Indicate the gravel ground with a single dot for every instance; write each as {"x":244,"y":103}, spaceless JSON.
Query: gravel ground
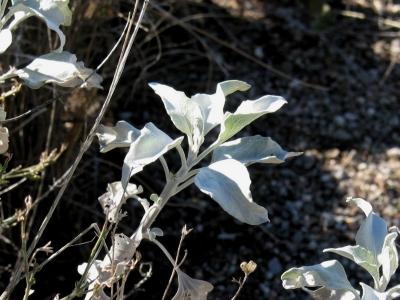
{"x":341,"y":79}
{"x":349,"y":134}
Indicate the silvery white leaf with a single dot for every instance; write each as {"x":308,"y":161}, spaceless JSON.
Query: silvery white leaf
{"x":94,"y":270}
{"x":5,"y":39}
{"x":112,"y":200}
{"x":153,"y":233}
{"x":212,"y":106}
{"x":184,"y":113}
{"x":388,"y":259}
{"x":157,"y":231}
{"x":9,"y":74}
{"x":329,"y":277}
{"x":190,"y":288}
{"x":373,"y":229}
{"x":393,"y":292}
{"x":154,"y":197}
{"x":370,"y":294}
{"x":145,"y":204}
{"x":253,"y":149}
{"x":122,"y":250}
{"x":53,"y":12}
{"x":232,"y":86}
{"x":365,"y":206}
{"x":118,"y":258}
{"x":147,"y":148}
{"x":3,"y":5}
{"x":246,"y":113}
{"x":360,"y":256}
{"x":4,"y":140}
{"x":60,"y":68}
{"x":228,"y":183}
{"x":96,"y":278}
{"x":121,"y":135}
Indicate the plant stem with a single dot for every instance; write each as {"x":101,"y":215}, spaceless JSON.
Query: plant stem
{"x":176,"y":263}
{"x":240,"y":287}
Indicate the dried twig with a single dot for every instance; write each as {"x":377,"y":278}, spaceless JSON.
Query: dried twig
{"x":185,"y":232}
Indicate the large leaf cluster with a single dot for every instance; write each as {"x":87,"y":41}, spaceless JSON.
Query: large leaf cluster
{"x":226,"y":179}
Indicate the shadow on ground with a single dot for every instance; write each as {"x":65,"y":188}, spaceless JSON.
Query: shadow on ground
{"x":347,"y":124}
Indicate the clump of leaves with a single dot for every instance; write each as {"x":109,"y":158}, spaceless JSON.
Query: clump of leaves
{"x":59,"y":66}
{"x":225,"y":179}
{"x":375,"y":251}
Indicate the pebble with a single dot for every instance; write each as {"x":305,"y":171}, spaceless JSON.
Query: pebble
{"x":275,"y":266}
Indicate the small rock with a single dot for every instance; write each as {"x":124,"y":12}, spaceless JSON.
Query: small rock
{"x":275,"y":266}
{"x":340,"y":121}
{"x":393,"y":152}
{"x":332,"y":153}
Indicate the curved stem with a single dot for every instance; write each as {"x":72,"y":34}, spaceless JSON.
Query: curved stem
{"x":166,"y":252}
{"x":240,"y":287}
{"x":182,"y":155}
{"x":165,"y":168}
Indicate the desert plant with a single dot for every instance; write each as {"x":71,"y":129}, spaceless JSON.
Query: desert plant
{"x":375,"y":251}
{"x":226,"y":179}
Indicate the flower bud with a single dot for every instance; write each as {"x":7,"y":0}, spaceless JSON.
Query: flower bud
{"x":248,"y":267}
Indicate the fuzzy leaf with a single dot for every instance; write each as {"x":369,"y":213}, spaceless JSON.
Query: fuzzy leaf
{"x":212,"y":106}
{"x":373,"y":229}
{"x":184,"y":113}
{"x":388,"y":259}
{"x":190,"y":288}
{"x":360,"y":256}
{"x":53,"y":12}
{"x":4,"y":140}
{"x":96,"y":278}
{"x":122,"y":250}
{"x":60,"y":68}
{"x":253,"y":149}
{"x":5,"y":39}
{"x":147,"y":148}
{"x":197,"y":115}
{"x":228,"y":183}
{"x":328,"y":277}
{"x":121,"y":135}
{"x":393,"y":292}
{"x":370,"y":294}
{"x":246,"y":113}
